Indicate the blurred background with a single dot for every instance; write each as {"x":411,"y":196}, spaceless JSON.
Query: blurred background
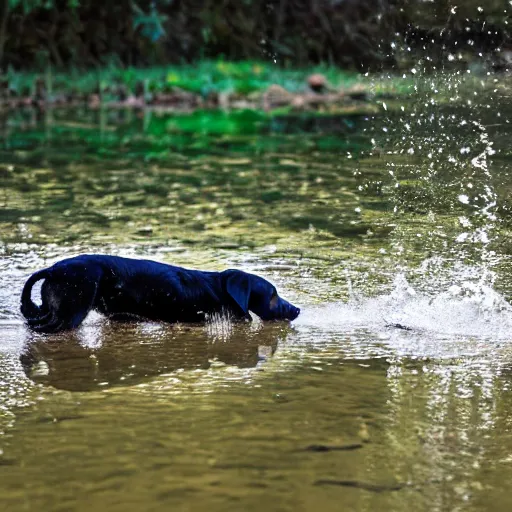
{"x":353,"y":34}
{"x":36,"y":35}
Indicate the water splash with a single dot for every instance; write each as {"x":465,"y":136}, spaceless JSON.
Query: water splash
{"x":467,"y":309}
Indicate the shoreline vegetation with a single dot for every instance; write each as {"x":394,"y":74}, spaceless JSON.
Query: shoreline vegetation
{"x":207,"y":85}
{"x":268,"y":56}
{"x":230,"y":87}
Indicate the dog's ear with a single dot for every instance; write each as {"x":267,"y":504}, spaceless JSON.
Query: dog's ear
{"x":238,"y":285}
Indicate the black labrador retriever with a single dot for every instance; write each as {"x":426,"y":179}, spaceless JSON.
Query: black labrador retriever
{"x":128,"y":289}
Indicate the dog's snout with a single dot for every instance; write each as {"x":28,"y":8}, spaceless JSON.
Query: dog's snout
{"x":294,"y":313}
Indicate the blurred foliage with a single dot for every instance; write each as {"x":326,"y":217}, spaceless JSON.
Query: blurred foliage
{"x":202,"y":78}
{"x":360,"y":34}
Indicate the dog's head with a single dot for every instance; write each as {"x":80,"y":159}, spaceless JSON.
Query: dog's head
{"x":253,"y":293}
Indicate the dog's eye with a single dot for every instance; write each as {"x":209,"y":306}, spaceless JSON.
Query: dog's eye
{"x":273,"y":301}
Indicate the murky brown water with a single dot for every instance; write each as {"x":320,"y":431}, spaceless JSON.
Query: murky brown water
{"x":399,"y":219}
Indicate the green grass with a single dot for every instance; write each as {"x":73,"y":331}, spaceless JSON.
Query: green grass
{"x":201,"y":78}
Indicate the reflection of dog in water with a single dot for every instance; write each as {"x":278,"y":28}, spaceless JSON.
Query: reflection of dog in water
{"x":132,"y":353}
{"x":126,"y":288}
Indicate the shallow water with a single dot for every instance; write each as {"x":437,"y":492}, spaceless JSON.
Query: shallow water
{"x":399,"y":220}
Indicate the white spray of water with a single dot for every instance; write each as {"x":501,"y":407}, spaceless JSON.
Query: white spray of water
{"x":469,"y":309}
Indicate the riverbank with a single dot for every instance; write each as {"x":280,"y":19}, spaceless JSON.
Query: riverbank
{"x":206,"y":85}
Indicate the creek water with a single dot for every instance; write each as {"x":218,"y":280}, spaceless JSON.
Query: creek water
{"x":390,"y":391}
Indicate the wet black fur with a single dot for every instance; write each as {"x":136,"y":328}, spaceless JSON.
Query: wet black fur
{"x":125,"y":288}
